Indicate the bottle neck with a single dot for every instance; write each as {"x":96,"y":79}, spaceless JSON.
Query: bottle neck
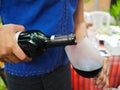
{"x":46,"y":41}
{"x":61,"y":40}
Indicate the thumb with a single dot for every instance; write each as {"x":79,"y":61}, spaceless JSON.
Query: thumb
{"x":16,"y":28}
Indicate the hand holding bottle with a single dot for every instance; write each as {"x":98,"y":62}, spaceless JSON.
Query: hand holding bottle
{"x":9,"y":49}
{"x":35,"y":43}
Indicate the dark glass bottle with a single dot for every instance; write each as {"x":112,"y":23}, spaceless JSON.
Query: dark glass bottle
{"x":34,"y":42}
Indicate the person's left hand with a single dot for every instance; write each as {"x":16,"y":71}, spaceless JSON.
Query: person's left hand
{"x":102,"y":80}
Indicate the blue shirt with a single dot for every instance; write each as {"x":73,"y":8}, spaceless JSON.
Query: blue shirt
{"x":49,"y":16}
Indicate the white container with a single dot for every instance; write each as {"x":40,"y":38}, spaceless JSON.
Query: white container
{"x":84,"y":56}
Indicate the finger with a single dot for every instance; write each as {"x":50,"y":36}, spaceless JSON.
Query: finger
{"x":17,"y":51}
{"x":13,"y":59}
{"x":107,"y":84}
{"x":15,"y":27}
{"x":108,"y":69}
{"x":100,"y":78}
{"x":104,"y":63}
{"x":19,"y":28}
{"x":106,"y":66}
{"x":102,"y":83}
{"x":98,"y":82}
{"x":7,"y":60}
{"x":101,"y":74}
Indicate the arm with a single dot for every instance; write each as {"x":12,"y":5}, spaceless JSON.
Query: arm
{"x":80,"y":26}
{"x":79,"y":15}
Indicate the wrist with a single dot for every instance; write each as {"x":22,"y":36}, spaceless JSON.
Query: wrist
{"x":81,"y":39}
{"x":80,"y":36}
{"x":80,"y":32}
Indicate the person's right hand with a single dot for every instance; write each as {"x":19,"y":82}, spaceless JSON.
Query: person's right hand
{"x":9,"y":49}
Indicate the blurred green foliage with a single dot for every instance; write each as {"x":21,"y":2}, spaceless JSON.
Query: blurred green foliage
{"x":115,"y":11}
{"x":86,"y":1}
{"x":0,"y":23}
{"x":2,"y":84}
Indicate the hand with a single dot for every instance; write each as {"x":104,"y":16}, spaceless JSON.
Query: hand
{"x":102,"y":80}
{"x":81,"y":32}
{"x":9,"y":49}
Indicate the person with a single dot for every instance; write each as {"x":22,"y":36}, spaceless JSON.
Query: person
{"x":51,"y":70}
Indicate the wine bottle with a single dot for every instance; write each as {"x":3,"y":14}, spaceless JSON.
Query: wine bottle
{"x":35,"y":43}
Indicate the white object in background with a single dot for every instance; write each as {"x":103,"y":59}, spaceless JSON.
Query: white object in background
{"x":113,"y":89}
{"x":115,"y":29}
{"x":84,"y":56}
{"x":100,"y":19}
{"x":113,"y":44}
{"x":104,"y":52}
{"x":87,"y":17}
{"x":119,"y":87}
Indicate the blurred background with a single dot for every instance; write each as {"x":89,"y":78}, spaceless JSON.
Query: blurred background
{"x":105,"y":36}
